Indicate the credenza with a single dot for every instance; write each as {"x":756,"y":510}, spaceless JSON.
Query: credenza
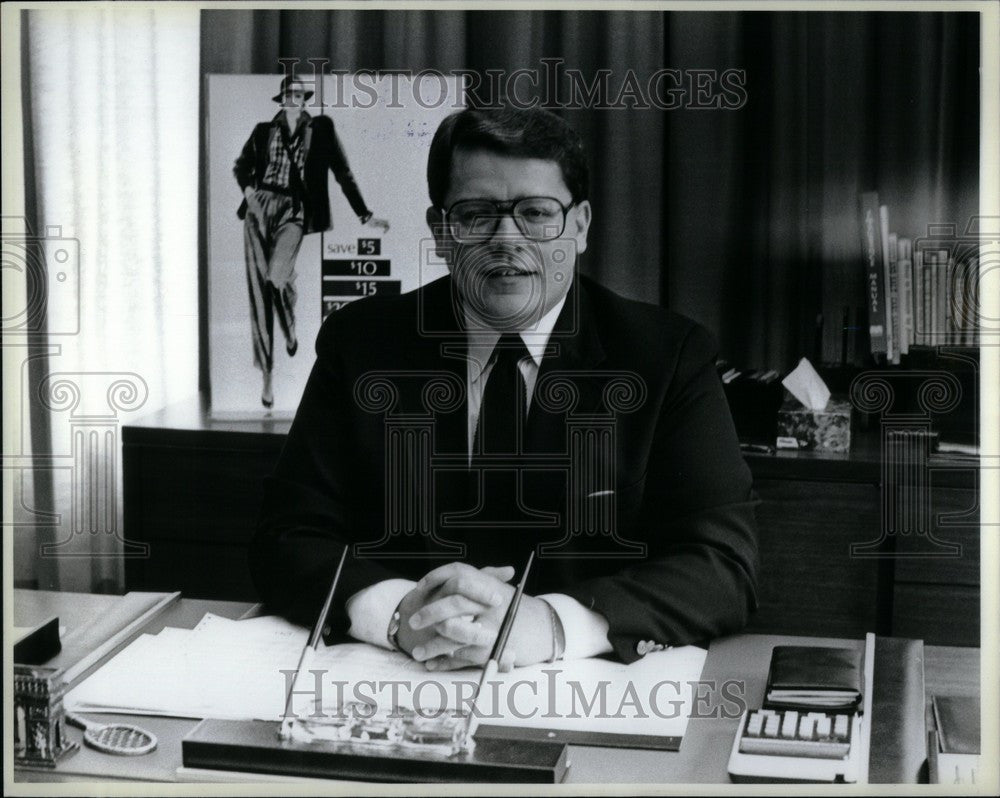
{"x":836,"y":560}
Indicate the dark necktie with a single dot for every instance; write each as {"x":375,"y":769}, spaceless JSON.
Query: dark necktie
{"x":504,"y":402}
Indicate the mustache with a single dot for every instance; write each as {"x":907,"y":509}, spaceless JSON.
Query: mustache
{"x":501,"y":258}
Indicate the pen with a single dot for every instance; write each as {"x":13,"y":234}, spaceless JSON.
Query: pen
{"x":493,"y":663}
{"x":310,"y":648}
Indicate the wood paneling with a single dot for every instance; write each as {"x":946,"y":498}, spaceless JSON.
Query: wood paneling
{"x":941,"y":614}
{"x":809,"y":582}
{"x":953,"y":519}
{"x":190,"y":492}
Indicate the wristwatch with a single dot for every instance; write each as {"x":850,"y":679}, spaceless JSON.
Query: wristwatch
{"x":392,"y":633}
{"x":558,"y":634}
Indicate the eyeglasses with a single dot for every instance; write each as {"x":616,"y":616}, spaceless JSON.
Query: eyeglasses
{"x":476,"y":220}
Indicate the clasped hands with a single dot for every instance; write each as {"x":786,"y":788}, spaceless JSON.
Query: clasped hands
{"x":451,"y":618}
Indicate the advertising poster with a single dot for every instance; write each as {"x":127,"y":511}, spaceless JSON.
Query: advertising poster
{"x":383,"y":124}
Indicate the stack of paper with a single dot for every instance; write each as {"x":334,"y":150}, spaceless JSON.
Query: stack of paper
{"x":220,"y":669}
{"x":242,"y":669}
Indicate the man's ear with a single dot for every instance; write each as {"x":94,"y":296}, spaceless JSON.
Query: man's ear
{"x":579,"y":224}
{"x":443,"y":245}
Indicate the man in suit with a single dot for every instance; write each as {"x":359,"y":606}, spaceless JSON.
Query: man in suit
{"x":282,"y":171}
{"x":513,"y":406}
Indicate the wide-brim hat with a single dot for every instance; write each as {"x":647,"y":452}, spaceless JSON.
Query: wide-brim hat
{"x":285,"y":83}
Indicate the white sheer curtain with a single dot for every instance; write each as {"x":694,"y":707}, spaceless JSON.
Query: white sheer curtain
{"x":113,"y":95}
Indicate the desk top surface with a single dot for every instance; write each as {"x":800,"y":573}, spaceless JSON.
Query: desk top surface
{"x":740,"y":660}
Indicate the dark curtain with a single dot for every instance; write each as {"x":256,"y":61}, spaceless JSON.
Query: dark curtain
{"x":744,"y":219}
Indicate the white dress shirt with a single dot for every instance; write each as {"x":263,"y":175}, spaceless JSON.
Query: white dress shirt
{"x":371,"y":609}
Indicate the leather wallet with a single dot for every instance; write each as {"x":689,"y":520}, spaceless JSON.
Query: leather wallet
{"x":815,"y":677}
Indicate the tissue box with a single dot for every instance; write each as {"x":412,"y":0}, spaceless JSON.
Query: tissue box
{"x":826,"y":430}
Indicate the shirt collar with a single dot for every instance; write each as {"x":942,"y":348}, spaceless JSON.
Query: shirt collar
{"x":482,"y":342}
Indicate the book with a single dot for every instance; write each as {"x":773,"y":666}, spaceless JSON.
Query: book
{"x":904,"y":267}
{"x":894,"y":294}
{"x":919,"y":323}
{"x":815,"y":677}
{"x":970,"y":308}
{"x":958,"y":301}
{"x":930,"y":288}
{"x":949,"y":303}
{"x":973,"y":297}
{"x":875,"y":287}
{"x":933,"y":325}
{"x":890,"y":330}
{"x":941,"y":299}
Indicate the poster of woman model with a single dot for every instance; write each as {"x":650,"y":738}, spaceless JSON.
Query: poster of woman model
{"x":317,"y":194}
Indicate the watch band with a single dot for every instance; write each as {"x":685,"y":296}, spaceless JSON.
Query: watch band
{"x":392,"y":633}
{"x":558,"y":635}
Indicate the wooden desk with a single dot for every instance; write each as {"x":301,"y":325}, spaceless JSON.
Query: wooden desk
{"x":702,"y":758}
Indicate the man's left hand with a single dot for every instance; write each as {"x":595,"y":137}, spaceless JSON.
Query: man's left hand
{"x":383,"y":224}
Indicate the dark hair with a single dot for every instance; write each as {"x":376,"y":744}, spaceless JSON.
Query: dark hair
{"x":523,"y":132}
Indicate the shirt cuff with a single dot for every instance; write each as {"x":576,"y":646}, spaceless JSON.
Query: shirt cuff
{"x":370,"y":610}
{"x":586,"y":630}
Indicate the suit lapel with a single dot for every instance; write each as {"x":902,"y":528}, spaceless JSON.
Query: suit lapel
{"x":436,"y":353}
{"x":573,"y":353}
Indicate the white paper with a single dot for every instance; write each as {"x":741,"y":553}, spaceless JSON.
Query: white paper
{"x":236,"y":670}
{"x":807,"y":386}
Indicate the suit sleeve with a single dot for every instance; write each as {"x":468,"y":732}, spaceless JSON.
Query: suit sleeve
{"x":342,"y":172}
{"x":244,"y":169}
{"x":305,"y":517}
{"x":698,"y":580}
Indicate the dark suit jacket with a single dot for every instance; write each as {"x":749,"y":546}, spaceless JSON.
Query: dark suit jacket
{"x":682,"y":491}
{"x":323,"y":152}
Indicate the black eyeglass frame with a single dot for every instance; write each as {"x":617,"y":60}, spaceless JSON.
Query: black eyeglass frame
{"x":501,"y":209}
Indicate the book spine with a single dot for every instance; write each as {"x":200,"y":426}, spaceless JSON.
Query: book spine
{"x":973,"y":295}
{"x":950,"y":315}
{"x":890,"y":331}
{"x":959,"y":306}
{"x":871,"y":253}
{"x":919,"y":323}
{"x":949,"y":298}
{"x":971,"y":299}
{"x":905,"y":279}
{"x":942,"y":299}
{"x":932,"y":292}
{"x":895,"y":295}
{"x":930,"y":261}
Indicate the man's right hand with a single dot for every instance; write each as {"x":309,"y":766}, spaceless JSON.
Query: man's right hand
{"x":456,"y":588}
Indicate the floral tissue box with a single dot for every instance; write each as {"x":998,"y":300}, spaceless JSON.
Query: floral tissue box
{"x":827,"y":430}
